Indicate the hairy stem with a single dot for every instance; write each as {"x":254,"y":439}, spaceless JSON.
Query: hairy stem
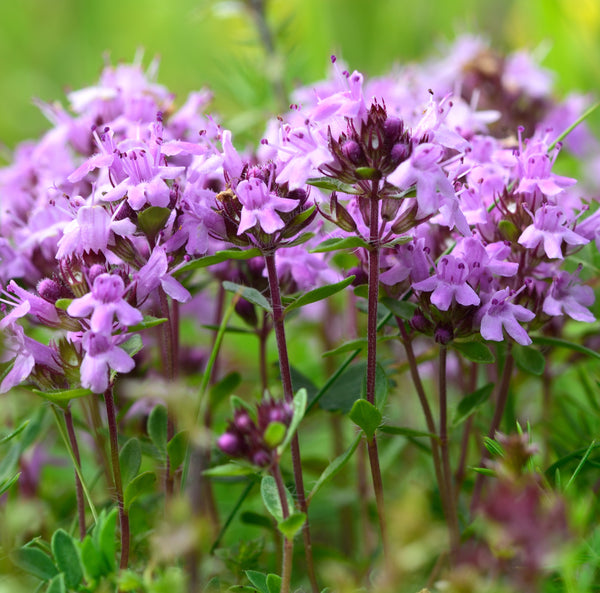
{"x":118,"y":483}
{"x":78,"y":484}
{"x":452,"y":516}
{"x":288,"y":392}
{"x":429,"y":421}
{"x":288,"y":544}
{"x":373,"y":298}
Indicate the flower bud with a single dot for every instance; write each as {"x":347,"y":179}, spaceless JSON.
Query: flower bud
{"x":231,"y":444}
{"x":49,"y":290}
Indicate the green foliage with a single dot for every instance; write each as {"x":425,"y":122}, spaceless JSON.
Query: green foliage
{"x":367,"y":416}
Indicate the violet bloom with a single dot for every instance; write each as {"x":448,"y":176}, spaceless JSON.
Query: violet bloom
{"x":102,"y":354}
{"x":566,"y":296}
{"x":449,"y":283}
{"x":104,"y":302}
{"x":25,"y":351}
{"x":92,"y":231}
{"x":550,"y":228}
{"x":534,"y":166}
{"x":154,"y":274}
{"x":259,"y":206}
{"x":499,"y":312}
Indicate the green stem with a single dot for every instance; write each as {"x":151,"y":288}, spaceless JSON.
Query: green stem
{"x":118,"y":482}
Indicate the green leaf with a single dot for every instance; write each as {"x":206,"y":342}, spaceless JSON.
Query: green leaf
{"x":157,"y":428}
{"x":382,"y":385}
{"x":299,"y":405}
{"x":151,"y":220}
{"x":138,"y":486}
{"x":176,"y":450}
{"x":219,"y":257}
{"x":338,"y":243}
{"x":14,"y":433}
{"x":106,"y":540}
{"x":94,"y":564}
{"x":334,"y":467}
{"x":258,"y":579}
{"x":225,"y":387}
{"x":330,"y":184}
{"x":345,"y":390}
{"x":228,"y":470}
{"x":301,"y":239}
{"x":130,"y":581}
{"x":57,"y":584}
{"x":148,"y":322}
{"x":486,"y":471}
{"x":319,"y":294}
{"x":252,"y":518}
{"x":133,"y":345}
{"x":349,"y":346}
{"x":474,"y":351}
{"x":580,"y":464}
{"x":367,"y":416}
{"x":130,"y":459}
{"x":35,"y":562}
{"x":6,"y":484}
{"x":529,"y":360}
{"x":250,"y":294}
{"x":403,"y":309}
{"x":405,"y":431}
{"x":273,"y":583}
{"x":64,"y":396}
{"x":560,"y":343}
{"x":66,"y":556}
{"x":270,"y":496}
{"x":274,"y":434}
{"x":471,"y":402}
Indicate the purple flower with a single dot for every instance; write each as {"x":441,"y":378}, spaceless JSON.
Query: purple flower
{"x":92,"y":231}
{"x":498,"y":312}
{"x":566,"y":296}
{"x":259,"y":206}
{"x":449,"y":283}
{"x":25,"y":351}
{"x":550,"y":228}
{"x":154,"y":274}
{"x":102,"y":354}
{"x":104,"y":302}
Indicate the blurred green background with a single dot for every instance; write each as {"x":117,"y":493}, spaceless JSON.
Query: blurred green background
{"x":48,"y":47}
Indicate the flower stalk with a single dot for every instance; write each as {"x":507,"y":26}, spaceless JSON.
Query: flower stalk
{"x":117,"y":479}
{"x":288,"y":391}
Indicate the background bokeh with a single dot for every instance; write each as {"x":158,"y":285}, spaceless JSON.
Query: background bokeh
{"x":47,"y":47}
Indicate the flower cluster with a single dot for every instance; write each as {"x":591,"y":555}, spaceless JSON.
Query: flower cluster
{"x":256,"y":440}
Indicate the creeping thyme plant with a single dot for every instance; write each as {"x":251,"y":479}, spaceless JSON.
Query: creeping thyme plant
{"x":394,"y":289}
